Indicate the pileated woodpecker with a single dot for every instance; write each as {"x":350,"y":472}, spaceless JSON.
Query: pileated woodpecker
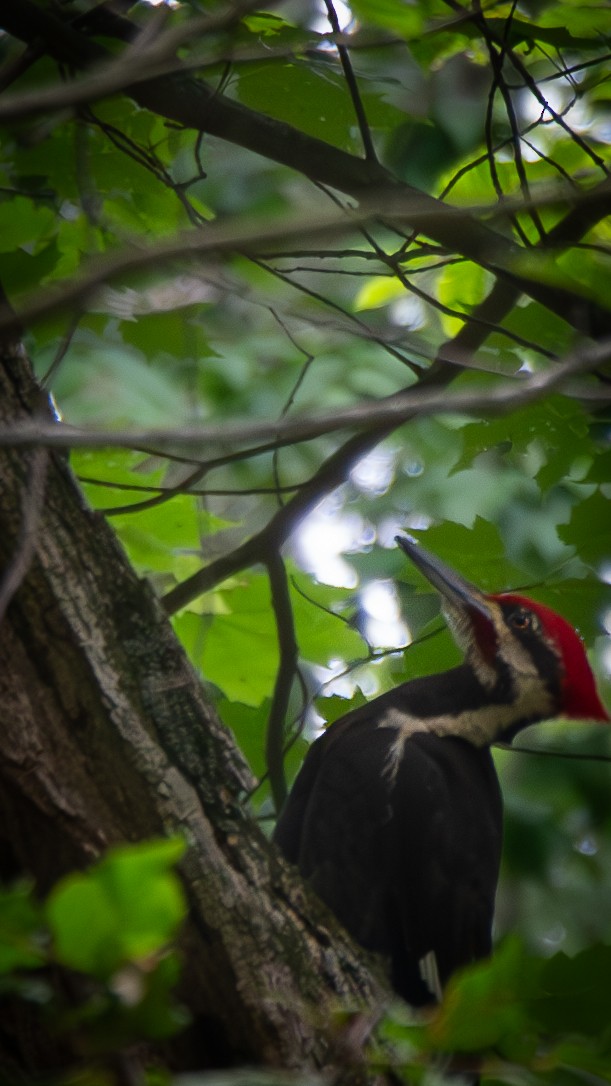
{"x":396,"y":816}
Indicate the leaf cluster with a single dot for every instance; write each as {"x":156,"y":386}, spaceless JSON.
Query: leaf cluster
{"x":111,"y":930}
{"x":547,"y":1021}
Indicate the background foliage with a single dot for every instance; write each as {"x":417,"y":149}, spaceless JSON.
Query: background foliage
{"x":485,"y":107}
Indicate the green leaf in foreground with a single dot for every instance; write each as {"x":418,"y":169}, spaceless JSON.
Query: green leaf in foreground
{"x":550,"y":1016}
{"x":126,"y":908}
{"x":574,"y":994}
{"x":486,"y":1006}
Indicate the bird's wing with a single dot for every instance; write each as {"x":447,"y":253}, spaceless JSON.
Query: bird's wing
{"x":380,"y":840}
{"x":446,"y":836}
{"x":344,"y":848}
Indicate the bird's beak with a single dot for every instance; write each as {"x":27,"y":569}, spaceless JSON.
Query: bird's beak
{"x":469,"y":611}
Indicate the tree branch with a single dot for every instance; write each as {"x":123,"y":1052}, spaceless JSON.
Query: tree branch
{"x":384,"y":414}
{"x":333,"y":471}
{"x":287,"y":668}
{"x":194,"y":104}
{"x":352,"y":85}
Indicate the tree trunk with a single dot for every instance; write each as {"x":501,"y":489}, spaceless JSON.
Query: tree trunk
{"x":107,"y":736}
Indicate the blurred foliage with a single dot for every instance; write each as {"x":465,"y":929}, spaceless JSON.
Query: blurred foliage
{"x":500,"y":106}
{"x":515,"y":1011}
{"x":112,"y":927}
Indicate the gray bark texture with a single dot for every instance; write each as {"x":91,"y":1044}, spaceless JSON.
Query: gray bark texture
{"x":107,"y":737}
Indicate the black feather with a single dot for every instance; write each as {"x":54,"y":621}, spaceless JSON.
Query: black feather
{"x":405,"y":853}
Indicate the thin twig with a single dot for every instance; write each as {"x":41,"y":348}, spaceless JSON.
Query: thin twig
{"x":577,"y":756}
{"x":351,"y":83}
{"x":533,"y":87}
{"x":62,"y":350}
{"x":287,"y":668}
{"x":457,"y":228}
{"x":330,"y":303}
{"x":386,"y":413}
{"x":170,"y":491}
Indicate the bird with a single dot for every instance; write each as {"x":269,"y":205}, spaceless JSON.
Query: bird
{"x":396,"y":816}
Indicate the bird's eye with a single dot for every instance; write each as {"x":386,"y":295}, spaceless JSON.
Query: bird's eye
{"x":522,"y":620}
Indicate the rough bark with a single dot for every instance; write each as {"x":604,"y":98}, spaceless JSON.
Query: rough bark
{"x":107,"y":736}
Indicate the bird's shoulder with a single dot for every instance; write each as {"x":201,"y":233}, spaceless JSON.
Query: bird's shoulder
{"x":380,"y":757}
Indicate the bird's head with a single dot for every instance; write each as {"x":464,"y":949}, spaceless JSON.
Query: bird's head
{"x":512,"y":641}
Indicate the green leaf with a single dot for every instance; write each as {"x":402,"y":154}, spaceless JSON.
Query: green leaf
{"x":177,"y":332}
{"x":582,"y":601}
{"x":378,"y":292}
{"x":535,"y":1013}
{"x":22,"y":222}
{"x":514,"y":31}
{"x":22,"y":271}
{"x":600,"y":470}
{"x":235,"y":640}
{"x":486,"y":1006}
{"x":113,"y":384}
{"x":99,"y":469}
{"x":404,"y":19}
{"x":334,"y":707}
{"x":548,"y":425}
{"x":588,"y":20}
{"x":460,"y":287}
{"x":574,"y":993}
{"x":155,"y":537}
{"x":477,"y":553}
{"x":321,"y":635}
{"x":126,"y":908}
{"x":312,"y":97}
{"x":588,"y":529}
{"x":249,"y":726}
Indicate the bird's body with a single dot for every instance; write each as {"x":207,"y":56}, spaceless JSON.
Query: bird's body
{"x":396,"y":815}
{"x":361,"y":827}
